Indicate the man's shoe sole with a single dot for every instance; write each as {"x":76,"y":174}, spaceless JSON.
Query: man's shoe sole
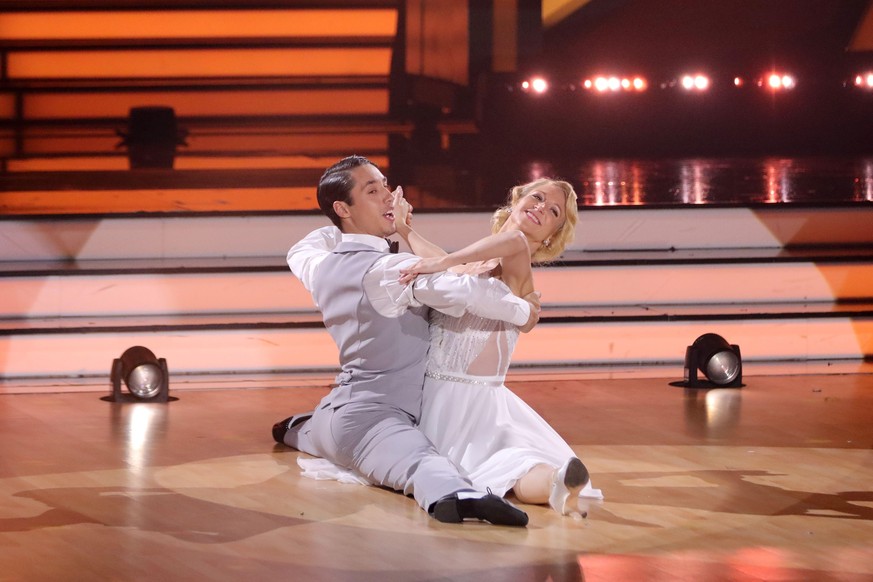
{"x":446,"y":511}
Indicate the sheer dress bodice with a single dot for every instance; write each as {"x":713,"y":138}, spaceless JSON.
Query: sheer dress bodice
{"x":470,"y":348}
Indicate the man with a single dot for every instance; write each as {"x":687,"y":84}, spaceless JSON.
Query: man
{"x":367,"y":422}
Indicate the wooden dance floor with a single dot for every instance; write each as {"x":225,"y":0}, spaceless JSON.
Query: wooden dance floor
{"x":773,"y":481}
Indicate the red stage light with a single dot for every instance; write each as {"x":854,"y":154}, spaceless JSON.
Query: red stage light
{"x":864,"y":80}
{"x":536,"y":85}
{"x":695,"y":82}
{"x":778,"y":82}
{"x":615,"y":84}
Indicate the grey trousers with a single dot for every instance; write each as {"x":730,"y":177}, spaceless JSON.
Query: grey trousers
{"x":382,"y":444}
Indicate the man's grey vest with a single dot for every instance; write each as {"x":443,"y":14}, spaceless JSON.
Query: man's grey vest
{"x":383,"y":359}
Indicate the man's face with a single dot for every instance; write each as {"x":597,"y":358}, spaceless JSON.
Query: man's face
{"x":371,"y":210}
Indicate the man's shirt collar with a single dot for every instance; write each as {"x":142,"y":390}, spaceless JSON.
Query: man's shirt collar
{"x":377,"y":243}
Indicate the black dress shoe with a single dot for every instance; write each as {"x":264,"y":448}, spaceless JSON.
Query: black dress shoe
{"x":281,"y":428}
{"x":490,"y":508}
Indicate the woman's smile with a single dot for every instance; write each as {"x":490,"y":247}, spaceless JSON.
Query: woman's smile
{"x":533,"y":217}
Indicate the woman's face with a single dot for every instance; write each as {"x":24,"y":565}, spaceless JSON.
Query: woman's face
{"x":540,"y":212}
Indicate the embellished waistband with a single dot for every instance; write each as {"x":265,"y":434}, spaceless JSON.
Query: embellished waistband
{"x":462,"y":380}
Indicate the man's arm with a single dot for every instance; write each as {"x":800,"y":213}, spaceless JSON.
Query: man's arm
{"x":447,"y":292}
{"x":305,"y":256}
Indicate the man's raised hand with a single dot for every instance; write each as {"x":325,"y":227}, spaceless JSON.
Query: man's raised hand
{"x":402,"y":212}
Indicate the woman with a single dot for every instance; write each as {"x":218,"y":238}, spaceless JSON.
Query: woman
{"x":468,"y":412}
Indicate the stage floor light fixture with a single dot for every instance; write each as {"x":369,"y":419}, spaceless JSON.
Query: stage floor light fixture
{"x":144,"y":374}
{"x":719,"y":361}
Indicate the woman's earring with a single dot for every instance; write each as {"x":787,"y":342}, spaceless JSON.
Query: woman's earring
{"x":547,"y":242}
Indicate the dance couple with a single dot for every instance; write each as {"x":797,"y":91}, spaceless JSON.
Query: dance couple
{"x":425,"y":341}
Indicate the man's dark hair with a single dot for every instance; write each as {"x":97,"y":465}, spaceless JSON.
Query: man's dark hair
{"x":336,"y":184}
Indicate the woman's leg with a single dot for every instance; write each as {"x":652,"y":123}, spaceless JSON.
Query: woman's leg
{"x":569,"y":481}
{"x":536,"y":485}
{"x":559,"y":488}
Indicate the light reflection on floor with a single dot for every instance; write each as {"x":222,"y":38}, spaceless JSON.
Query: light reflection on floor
{"x":720,"y":181}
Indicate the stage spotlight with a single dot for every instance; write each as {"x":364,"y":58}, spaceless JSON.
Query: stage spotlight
{"x":695,"y":82}
{"x":144,"y":374}
{"x":864,"y":81}
{"x":613,"y":84}
{"x":718,"y":360}
{"x":778,"y":82}
{"x":536,"y":85}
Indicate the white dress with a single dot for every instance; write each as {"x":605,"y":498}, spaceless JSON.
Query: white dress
{"x":472,"y":417}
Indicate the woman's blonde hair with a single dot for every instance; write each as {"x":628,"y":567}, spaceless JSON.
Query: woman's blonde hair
{"x":559,"y":240}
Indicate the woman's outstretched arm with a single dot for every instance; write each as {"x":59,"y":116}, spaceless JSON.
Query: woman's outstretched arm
{"x":511,"y":247}
{"x":403,"y":223}
{"x":495,"y":246}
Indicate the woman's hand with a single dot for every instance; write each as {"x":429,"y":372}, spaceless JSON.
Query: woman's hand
{"x":422,"y":267}
{"x":402,"y":213}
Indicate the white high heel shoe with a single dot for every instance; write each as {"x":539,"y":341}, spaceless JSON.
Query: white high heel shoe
{"x":569,"y":481}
